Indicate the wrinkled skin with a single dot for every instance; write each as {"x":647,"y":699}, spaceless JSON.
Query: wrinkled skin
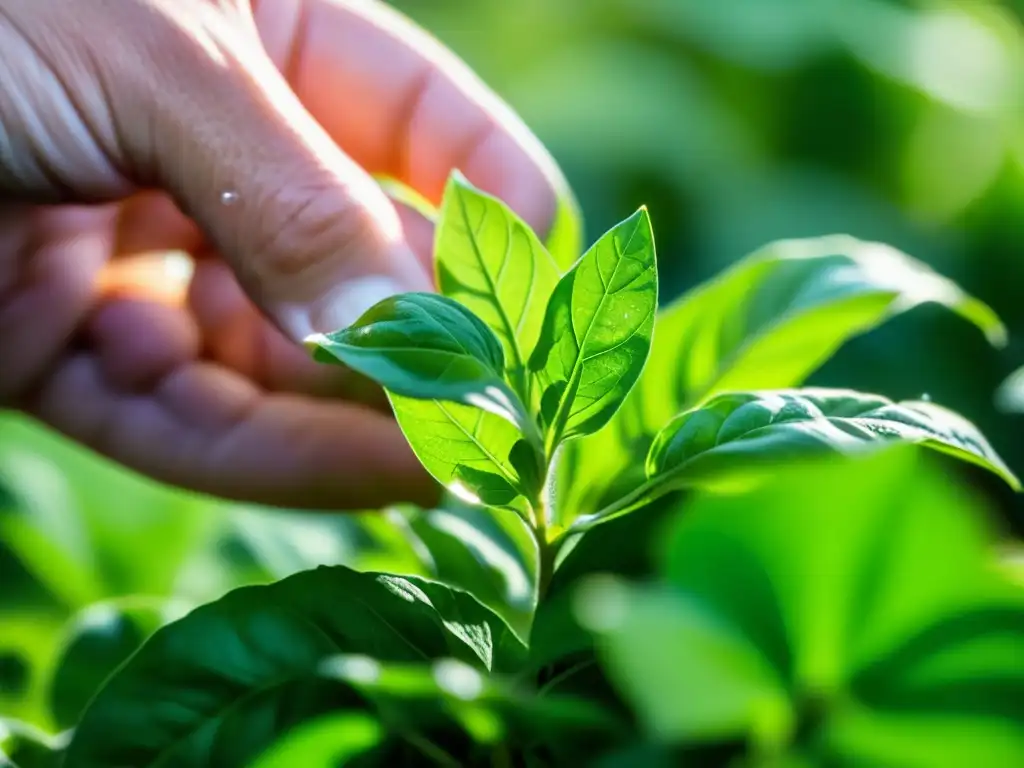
{"x":243,"y":133}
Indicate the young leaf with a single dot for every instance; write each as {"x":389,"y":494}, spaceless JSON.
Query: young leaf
{"x":739,"y":438}
{"x":776,"y":316}
{"x":216,"y":687}
{"x":489,"y":260}
{"x":428,"y":347}
{"x":597,"y":331}
{"x":466,"y":449}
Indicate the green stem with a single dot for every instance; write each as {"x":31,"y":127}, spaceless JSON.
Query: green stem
{"x":635,"y":498}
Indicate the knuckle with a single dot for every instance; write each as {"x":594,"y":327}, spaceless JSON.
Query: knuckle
{"x":307,"y":229}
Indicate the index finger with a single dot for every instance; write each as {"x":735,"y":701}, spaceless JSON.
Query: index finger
{"x":399,"y":103}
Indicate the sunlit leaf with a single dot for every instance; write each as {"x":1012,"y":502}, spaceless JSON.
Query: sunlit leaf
{"x":489,"y":260}
{"x":428,"y":347}
{"x":597,"y":331}
{"x":466,"y":449}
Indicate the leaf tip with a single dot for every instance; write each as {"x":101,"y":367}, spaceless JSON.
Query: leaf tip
{"x":315,"y":341}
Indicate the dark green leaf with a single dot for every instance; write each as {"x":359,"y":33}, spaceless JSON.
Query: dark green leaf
{"x":96,"y":643}
{"x":326,"y":742}
{"x":739,"y":438}
{"x":597,"y":331}
{"x":24,"y":746}
{"x":489,"y":260}
{"x":419,"y":699}
{"x":218,"y":686}
{"x":776,"y":316}
{"x":428,"y":347}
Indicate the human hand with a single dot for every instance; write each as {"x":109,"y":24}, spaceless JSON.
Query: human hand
{"x":243,"y":133}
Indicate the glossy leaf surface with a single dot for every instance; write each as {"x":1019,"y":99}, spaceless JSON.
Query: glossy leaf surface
{"x":216,"y":687}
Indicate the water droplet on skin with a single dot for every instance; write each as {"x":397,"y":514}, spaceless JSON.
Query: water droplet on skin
{"x":228,"y":197}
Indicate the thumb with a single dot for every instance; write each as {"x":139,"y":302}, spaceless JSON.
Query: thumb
{"x":311,"y":237}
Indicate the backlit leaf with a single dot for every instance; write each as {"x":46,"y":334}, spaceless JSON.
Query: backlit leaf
{"x":597,"y":331}
{"x":489,"y":260}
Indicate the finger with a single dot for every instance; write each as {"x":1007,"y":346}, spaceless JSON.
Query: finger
{"x":44,"y":293}
{"x":310,"y":236}
{"x":202,"y":427}
{"x":235,"y":334}
{"x":401,"y":104}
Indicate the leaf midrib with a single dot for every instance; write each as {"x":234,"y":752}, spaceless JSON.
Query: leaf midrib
{"x":474,"y":233}
{"x":561,"y":415}
{"x":280,"y":680}
{"x":513,"y":480}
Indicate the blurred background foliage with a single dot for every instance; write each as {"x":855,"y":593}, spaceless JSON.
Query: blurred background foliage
{"x":736,"y":122}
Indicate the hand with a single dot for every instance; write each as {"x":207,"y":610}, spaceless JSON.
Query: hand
{"x":243,"y":133}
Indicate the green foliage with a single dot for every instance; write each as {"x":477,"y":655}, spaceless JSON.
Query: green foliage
{"x":852,"y":633}
{"x":656,"y":547}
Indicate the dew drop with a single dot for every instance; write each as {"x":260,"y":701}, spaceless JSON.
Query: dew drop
{"x":228,"y":197}
{"x":926,"y":398}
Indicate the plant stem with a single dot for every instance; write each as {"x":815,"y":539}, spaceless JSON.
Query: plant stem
{"x":545,"y":550}
{"x":635,"y":498}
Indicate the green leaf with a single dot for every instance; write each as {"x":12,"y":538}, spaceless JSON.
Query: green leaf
{"x":402,"y":193}
{"x":597,"y":331}
{"x":490,"y":261}
{"x":326,"y":742}
{"x":715,"y":441}
{"x":428,"y":347}
{"x":98,"y":640}
{"x":491,"y":555}
{"x":912,"y":740}
{"x":417,"y":700}
{"x":85,"y":529}
{"x":565,"y":238}
{"x":41,"y":525}
{"x":217,"y":687}
{"x":466,"y":449}
{"x":865,"y":586}
{"x":777,"y":315}
{"x":739,"y":438}
{"x":691,"y":675}
{"x":24,"y":746}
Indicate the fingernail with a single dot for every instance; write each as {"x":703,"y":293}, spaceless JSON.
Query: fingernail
{"x":339,"y":308}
